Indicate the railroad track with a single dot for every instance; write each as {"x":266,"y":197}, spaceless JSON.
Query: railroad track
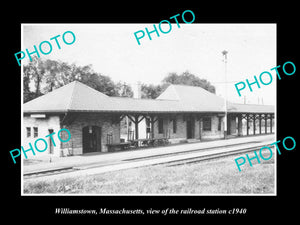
{"x":168,"y":159}
{"x":50,"y":172}
{"x":211,"y":156}
{"x":189,"y":151}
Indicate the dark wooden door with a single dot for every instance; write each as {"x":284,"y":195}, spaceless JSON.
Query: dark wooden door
{"x":91,"y":139}
{"x":190,"y":128}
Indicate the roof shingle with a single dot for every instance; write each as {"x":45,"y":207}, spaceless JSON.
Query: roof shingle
{"x":76,"y":96}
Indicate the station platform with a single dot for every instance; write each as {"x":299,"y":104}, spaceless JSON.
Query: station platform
{"x":111,"y":158}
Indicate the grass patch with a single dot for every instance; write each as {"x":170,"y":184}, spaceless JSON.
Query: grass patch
{"x":219,"y":176}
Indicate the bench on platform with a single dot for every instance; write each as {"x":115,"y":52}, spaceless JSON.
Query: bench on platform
{"x":149,"y":142}
{"x":118,"y":146}
{"x":135,"y":143}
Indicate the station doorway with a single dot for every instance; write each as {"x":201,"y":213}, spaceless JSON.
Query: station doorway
{"x":91,"y":139}
{"x":190,"y":128}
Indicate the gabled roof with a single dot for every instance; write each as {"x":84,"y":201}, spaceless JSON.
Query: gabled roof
{"x":78,"y":97}
{"x":199,"y":100}
{"x":194,"y":98}
{"x":145,"y":105}
{"x":73,"y":96}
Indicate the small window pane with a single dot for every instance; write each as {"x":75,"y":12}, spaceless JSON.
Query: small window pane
{"x":207,"y":123}
{"x":174,"y":126}
{"x":160,"y":126}
{"x":219,"y":122}
{"x":28,"y":132}
{"x":35,"y":132}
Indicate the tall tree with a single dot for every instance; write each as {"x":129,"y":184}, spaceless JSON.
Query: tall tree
{"x":99,"y":82}
{"x":186,"y":78}
{"x":27,"y":93}
{"x":67,"y":73}
{"x":151,"y":90}
{"x":34,"y":72}
{"x":47,"y":75}
{"x":51,"y":68}
{"x":123,"y":89}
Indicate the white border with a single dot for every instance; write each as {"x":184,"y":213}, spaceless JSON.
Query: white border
{"x":22,"y":133}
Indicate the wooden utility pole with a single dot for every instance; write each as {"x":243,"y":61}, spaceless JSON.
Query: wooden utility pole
{"x":225,"y":118}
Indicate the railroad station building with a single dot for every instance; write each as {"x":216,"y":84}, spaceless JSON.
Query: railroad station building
{"x":97,"y":122}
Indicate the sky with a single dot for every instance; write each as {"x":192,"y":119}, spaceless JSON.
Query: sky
{"x":112,"y":50}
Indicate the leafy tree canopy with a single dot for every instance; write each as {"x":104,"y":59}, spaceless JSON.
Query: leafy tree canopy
{"x":186,"y":78}
{"x":44,"y":76}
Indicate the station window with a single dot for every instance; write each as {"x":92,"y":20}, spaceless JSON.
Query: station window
{"x":148,"y":127}
{"x":160,"y":126}
{"x":28,"y":132}
{"x":219,"y":122}
{"x":174,"y":126}
{"x":35,"y":132}
{"x":207,"y":124}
